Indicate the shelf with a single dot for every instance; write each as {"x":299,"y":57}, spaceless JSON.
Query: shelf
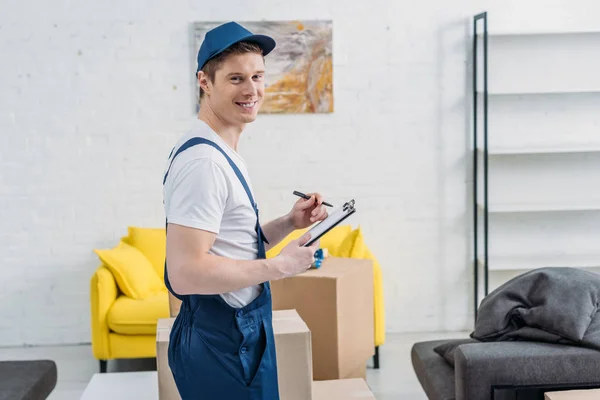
{"x":515,"y":262}
{"x":567,"y":149}
{"x":529,"y":208}
{"x":541,"y":32}
{"x":541,"y":92}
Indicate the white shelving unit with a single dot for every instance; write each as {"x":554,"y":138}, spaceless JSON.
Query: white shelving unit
{"x":543,"y":149}
{"x":539,"y":208}
{"x":542,"y":32}
{"x":499,"y":92}
{"x":567,"y":149}
{"x":526,"y":262}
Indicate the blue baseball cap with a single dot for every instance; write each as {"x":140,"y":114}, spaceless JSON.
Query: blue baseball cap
{"x":223,"y":36}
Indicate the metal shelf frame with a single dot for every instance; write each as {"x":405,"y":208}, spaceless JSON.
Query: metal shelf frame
{"x":480,"y":19}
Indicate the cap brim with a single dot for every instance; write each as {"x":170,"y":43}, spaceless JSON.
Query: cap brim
{"x":266,"y":44}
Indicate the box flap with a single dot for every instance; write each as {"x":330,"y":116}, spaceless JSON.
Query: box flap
{"x":288,"y":321}
{"x":335,"y":267}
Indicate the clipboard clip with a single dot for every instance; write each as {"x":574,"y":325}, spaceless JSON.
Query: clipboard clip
{"x":349,"y":206}
{"x":330,"y":222}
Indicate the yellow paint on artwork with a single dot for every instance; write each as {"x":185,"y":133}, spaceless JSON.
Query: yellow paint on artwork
{"x":324,"y":87}
{"x":302,"y":80}
{"x":287,"y":94}
{"x":308,"y":87}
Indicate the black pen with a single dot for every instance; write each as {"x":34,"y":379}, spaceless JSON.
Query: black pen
{"x":307,"y":197}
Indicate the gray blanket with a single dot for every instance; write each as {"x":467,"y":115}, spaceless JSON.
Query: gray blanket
{"x":556,"y":305}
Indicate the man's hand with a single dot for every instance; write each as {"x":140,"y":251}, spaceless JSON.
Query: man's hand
{"x":307,"y":212}
{"x":294,"y":258}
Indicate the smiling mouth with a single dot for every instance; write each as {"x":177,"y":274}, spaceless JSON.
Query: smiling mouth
{"x":247,"y":105}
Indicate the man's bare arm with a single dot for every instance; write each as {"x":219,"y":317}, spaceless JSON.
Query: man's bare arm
{"x":277,"y":230}
{"x":192,"y":270}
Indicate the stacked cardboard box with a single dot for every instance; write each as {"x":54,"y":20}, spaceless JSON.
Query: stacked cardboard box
{"x":166,"y":384}
{"x":294,"y":355}
{"x":336,"y":302}
{"x":292,"y":345}
{"x":294,"y":364}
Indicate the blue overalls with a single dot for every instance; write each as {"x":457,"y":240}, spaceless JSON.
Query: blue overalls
{"x":217,"y":351}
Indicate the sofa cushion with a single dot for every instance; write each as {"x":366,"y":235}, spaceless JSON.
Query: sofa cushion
{"x":138,"y":317}
{"x":447,"y":349}
{"x":133,"y":272}
{"x":353,"y":240}
{"x":334,"y":238}
{"x":330,"y":241}
{"x":152,"y":242}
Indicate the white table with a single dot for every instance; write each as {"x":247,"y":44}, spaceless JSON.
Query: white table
{"x":122,"y":386}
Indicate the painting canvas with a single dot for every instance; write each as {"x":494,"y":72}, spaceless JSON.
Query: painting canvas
{"x":299,"y":72}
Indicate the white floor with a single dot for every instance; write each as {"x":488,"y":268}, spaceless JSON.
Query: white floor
{"x":394,"y":380}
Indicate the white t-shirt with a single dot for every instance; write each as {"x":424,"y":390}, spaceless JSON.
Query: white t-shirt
{"x":202,"y":191}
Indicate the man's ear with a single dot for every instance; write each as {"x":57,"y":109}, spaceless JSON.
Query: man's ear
{"x":203,"y":82}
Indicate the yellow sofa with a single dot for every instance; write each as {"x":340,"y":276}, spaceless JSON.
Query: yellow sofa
{"x":128,"y":294}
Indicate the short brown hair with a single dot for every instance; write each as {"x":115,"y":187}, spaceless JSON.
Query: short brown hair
{"x":211,"y":67}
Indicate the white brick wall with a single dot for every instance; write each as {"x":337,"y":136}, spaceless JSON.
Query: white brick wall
{"x":94,"y":94}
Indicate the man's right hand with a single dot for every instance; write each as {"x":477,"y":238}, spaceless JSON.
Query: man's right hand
{"x":295,"y":258}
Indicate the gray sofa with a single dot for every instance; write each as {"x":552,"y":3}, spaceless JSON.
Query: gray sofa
{"x":516,"y":370}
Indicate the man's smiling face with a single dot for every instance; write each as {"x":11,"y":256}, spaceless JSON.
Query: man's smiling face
{"x":238,"y":88}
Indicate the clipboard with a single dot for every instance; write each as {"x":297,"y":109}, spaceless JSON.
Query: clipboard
{"x":337,"y":216}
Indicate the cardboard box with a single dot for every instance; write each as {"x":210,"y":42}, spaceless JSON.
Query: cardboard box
{"x":360,"y":372}
{"x":591,"y":394}
{"x":342,"y":389}
{"x":294,"y":355}
{"x":166,"y":384}
{"x":336,"y":302}
{"x":292,"y":345}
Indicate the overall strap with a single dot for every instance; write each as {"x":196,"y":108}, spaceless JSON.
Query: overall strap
{"x":198,"y":140}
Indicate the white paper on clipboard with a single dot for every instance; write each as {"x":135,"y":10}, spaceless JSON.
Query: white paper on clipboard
{"x":336,"y":216}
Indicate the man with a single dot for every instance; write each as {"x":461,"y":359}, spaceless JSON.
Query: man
{"x":222,"y":344}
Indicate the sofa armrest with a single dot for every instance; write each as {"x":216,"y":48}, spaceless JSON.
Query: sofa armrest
{"x":103,"y":293}
{"x":480,"y":367}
